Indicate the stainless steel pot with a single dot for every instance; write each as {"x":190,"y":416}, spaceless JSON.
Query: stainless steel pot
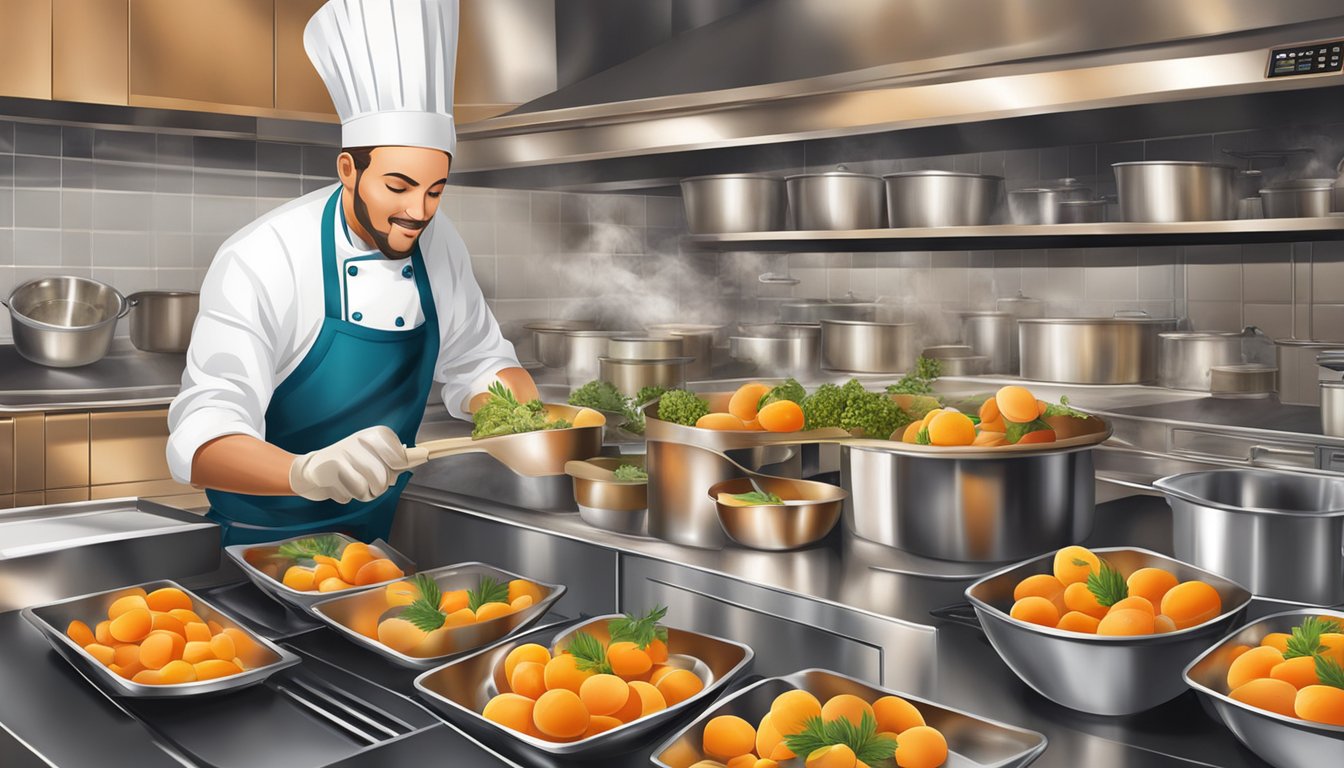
{"x":621,"y":506}
{"x":1279,"y":533}
{"x":64,"y":322}
{"x":1020,"y":306}
{"x":852,"y":346}
{"x":1042,"y":205}
{"x":1299,"y":197}
{"x":549,"y":335}
{"x":162,"y":320}
{"x":943,"y":199}
{"x":1101,"y":350}
{"x":697,"y":343}
{"x":584,"y":349}
{"x":778,"y":349}
{"x":836,"y":200}
{"x":813,"y":311}
{"x":1299,"y":373}
{"x":630,"y":376}
{"x":1082,"y":211}
{"x":1186,"y":358}
{"x":1332,"y":408}
{"x":1246,"y":380}
{"x":734,"y":202}
{"x":994,"y":335}
{"x":1175,"y":190}
{"x":643,"y":347}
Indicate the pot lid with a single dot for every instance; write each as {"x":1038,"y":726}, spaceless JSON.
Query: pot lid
{"x":1099,"y":320}
{"x":716,"y":176}
{"x":961,"y":174}
{"x":1295,"y":184}
{"x":841,"y":171}
{"x":1200,"y":163}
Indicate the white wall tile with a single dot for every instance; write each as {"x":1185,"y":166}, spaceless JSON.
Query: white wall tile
{"x":39,"y":209}
{"x":37,"y":247}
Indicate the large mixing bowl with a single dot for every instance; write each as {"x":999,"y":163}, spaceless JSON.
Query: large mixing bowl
{"x":64,"y":322}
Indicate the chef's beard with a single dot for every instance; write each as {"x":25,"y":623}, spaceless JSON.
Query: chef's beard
{"x":380,"y":237}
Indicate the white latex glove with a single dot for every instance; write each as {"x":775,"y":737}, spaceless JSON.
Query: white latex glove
{"x":362,"y":466}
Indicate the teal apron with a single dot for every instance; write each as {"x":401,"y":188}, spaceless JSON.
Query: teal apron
{"x":352,"y":378}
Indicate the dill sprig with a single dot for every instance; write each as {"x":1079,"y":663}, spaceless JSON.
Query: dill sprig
{"x":424,"y":611}
{"x":488,"y":590}
{"x":307,"y":549}
{"x":1108,"y":586}
{"x":1329,"y":672}
{"x":589,"y":654}
{"x":1306,"y":637}
{"x":640,"y":631}
{"x":868,"y":747}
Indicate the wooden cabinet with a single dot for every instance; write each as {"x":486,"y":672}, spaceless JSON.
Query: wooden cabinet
{"x":25,"y":48}
{"x":216,"y":55}
{"x":297,"y":85}
{"x":89,"y":51}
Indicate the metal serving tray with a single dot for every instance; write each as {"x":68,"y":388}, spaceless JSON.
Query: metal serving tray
{"x":52,"y":619}
{"x":1103,"y":675}
{"x":342,"y":613}
{"x":1286,"y":742}
{"x":461,"y":689}
{"x":249,"y":556}
{"x":971,"y":740}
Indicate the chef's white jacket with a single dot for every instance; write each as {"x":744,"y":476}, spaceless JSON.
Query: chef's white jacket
{"x":262,"y":305}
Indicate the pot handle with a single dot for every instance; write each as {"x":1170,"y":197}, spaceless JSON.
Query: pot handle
{"x":126,"y":304}
{"x":135,"y":298}
{"x":959,"y":613}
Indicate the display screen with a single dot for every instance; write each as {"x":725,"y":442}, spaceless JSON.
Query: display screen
{"x":1306,"y":59}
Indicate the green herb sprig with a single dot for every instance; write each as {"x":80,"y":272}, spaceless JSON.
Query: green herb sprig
{"x":757,"y":498}
{"x":640,"y":631}
{"x":1063,"y":409}
{"x":1108,"y":586}
{"x":629,"y":473}
{"x":817,"y":734}
{"x":589,"y":654}
{"x":488,"y":590}
{"x":1306,"y":637}
{"x":307,"y":549}
{"x":1329,"y":672}
{"x":424,"y":611}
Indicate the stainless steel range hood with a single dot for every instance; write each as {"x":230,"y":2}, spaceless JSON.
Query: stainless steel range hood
{"x":780,"y":72}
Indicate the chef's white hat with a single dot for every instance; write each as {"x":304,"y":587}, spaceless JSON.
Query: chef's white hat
{"x":389,"y":65}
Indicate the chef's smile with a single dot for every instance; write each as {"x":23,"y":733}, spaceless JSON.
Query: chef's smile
{"x":395,"y":193}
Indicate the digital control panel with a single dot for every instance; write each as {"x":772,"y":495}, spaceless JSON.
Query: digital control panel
{"x":1311,"y":59}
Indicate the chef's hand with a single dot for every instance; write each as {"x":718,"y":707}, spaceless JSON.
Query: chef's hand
{"x":362,"y":466}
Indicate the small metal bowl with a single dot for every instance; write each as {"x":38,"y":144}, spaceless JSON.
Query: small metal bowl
{"x":460,"y":690}
{"x":973,"y":741}
{"x":1286,"y":742}
{"x":613,"y":505}
{"x":253,"y":558}
{"x":346,"y":612}
{"x":1103,"y":675}
{"x":778,"y":527}
{"x":52,"y":619}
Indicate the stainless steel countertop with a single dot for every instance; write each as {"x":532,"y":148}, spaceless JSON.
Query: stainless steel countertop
{"x":125,"y":378}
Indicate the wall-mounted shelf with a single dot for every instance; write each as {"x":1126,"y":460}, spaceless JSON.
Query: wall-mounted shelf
{"x":1006,"y":236}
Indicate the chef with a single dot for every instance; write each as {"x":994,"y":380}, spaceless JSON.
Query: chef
{"x":324,"y":323}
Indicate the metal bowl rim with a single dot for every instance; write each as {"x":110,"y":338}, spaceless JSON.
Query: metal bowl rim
{"x":725,"y":176}
{"x":1164,"y":484}
{"x":868,"y":323}
{"x":947,"y":174}
{"x":833,"y":175}
{"x":1264,"y":713}
{"x":1197,"y":163}
{"x":1096,"y":320}
{"x":236,"y":553}
{"x":122,"y":305}
{"x":1115,"y":640}
{"x":623,"y":483}
{"x":843,"y":494}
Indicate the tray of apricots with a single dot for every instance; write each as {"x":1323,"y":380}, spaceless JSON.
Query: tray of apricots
{"x":439,"y":613}
{"x":1105,"y":631}
{"x":822,"y":719}
{"x":596,"y":688}
{"x":302,"y":570}
{"x":156,"y":640}
{"x":1278,"y":685}
{"x":1012,"y":420}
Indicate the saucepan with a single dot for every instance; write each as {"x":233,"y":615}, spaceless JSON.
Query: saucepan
{"x":531,"y":454}
{"x":64,"y":322}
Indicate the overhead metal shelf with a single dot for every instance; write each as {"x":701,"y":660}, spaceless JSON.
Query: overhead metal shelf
{"x":1009,"y":236}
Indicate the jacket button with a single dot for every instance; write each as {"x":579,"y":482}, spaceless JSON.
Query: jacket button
{"x":407,"y":271}
{"x":357,"y":316}
{"x":400,"y":321}
{"x":352,"y":270}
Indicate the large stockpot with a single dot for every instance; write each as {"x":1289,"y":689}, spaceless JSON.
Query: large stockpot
{"x":583,"y":349}
{"x":1090,"y":350}
{"x":627,"y":347}
{"x":813,"y":311}
{"x":734,"y":202}
{"x":162,"y":320}
{"x":1175,"y":190}
{"x":835,"y":200}
{"x":1279,"y":533}
{"x":64,"y":322}
{"x":971,"y":506}
{"x":551,"y":346}
{"x":630,"y":376}
{"x":1041,"y":205}
{"x":1300,"y":374}
{"x":942,"y":199}
{"x":783,"y":349}
{"x":1299,"y":197}
{"x":697,"y":343}
{"x":994,"y":335}
{"x":865,"y":347}
{"x":1186,"y":358}
{"x":1332,"y":408}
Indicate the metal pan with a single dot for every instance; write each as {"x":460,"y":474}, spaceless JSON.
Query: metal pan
{"x":1286,"y":742}
{"x":1103,"y":675}
{"x":346,"y":612}
{"x":531,"y":454}
{"x":620,"y":506}
{"x":51,"y":620}
{"x":461,"y":689}
{"x":254,"y":560}
{"x":971,"y":740}
{"x":778,"y":527}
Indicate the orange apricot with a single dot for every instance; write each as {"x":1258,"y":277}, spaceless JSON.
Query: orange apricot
{"x":168,"y":623}
{"x":223,"y":647}
{"x":1127,"y":621}
{"x":520,"y":587}
{"x":834,"y":756}
{"x":168,"y":598}
{"x":126,"y":655}
{"x":989,"y":410}
{"x":1041,"y":585}
{"x":1276,"y":640}
{"x":1299,"y":671}
{"x":1151,"y":584}
{"x":1074,"y":564}
{"x":895,"y":714}
{"x":651,"y":699}
{"x":1320,"y":704}
{"x":126,"y":603}
{"x":132,"y":626}
{"x":604,"y":694}
{"x":587,"y":417}
{"x":951,"y":428}
{"x":560,"y":714}
{"x":997,"y":426}
{"x":324,"y":571}
{"x":1191,"y":603}
{"x":721,"y":421}
{"x":1267,"y":693}
{"x":356,"y":555}
{"x":1334,"y":646}
{"x":454,"y":600}
{"x":80,"y":633}
{"x":213,"y":668}
{"x":782,"y":416}
{"x":727,"y":736}
{"x":1077,"y":621}
{"x":921,"y":747}
{"x":767,"y":736}
{"x":525,"y":652}
{"x":632,"y":709}
{"x":160,"y":648}
{"x":511,"y":711}
{"x":102,"y":633}
{"x":185,"y":615}
{"x":848,"y":706}
{"x":1252,"y":665}
{"x":747,"y":760}
{"x":334,"y":584}
{"x":791,"y":710}
{"x":658,"y":672}
{"x":460,"y":618}
{"x":489,"y":611}
{"x":177,"y":671}
{"x":601,"y":724}
{"x":529,"y":679}
{"x":403,"y":593}
{"x":376,"y":571}
{"x":196,"y":631}
{"x":1038,"y":436}
{"x":1035,"y":610}
{"x":657,"y":650}
{"x":1163,"y":624}
{"x":400,"y":635}
{"x":743,"y":404}
{"x":678,"y":686}
{"x":1017,"y":404}
{"x":148,"y":677}
{"x":628,"y":660}
{"x":196,"y":652}
{"x":1077,"y":597}
{"x":989,"y":439}
{"x":562,"y":672}
{"x":1135,"y":602}
{"x":105,"y":655}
